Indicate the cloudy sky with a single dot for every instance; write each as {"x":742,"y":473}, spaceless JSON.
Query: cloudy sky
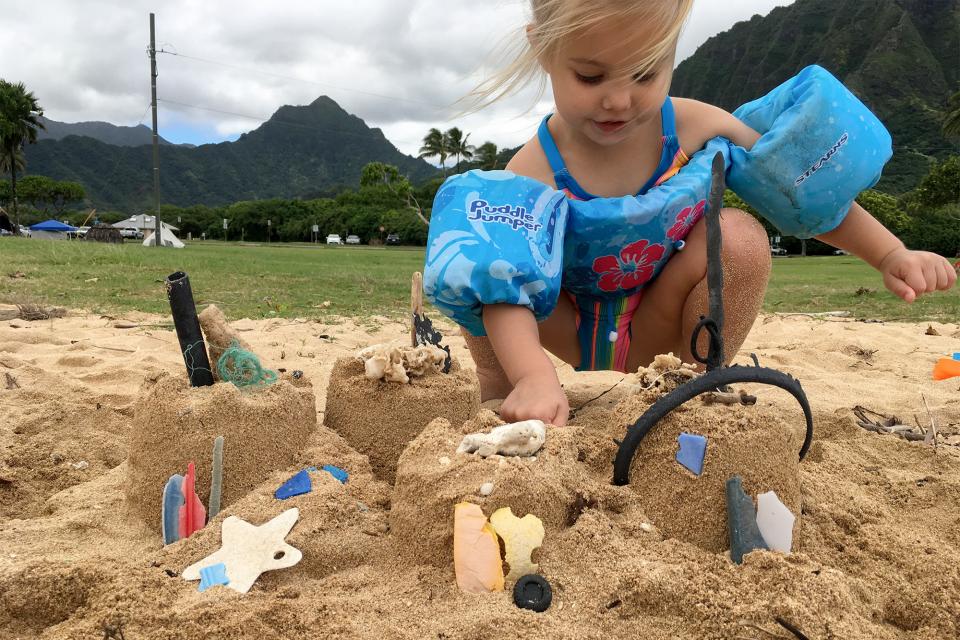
{"x":398,"y":64}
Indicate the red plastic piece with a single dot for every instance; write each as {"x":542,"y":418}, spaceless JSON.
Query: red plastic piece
{"x":193,"y":516}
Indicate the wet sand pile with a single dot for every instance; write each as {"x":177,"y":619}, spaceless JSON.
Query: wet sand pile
{"x":378,"y":417}
{"x":264,"y":430}
{"x":877,"y":541}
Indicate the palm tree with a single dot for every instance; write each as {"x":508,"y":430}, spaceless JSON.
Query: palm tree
{"x":487,"y":156}
{"x":19,"y":122}
{"x":951,"y":123}
{"x":435,"y":144}
{"x":457,"y":145}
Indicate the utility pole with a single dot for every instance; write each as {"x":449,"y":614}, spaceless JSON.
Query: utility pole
{"x":157,"y":238}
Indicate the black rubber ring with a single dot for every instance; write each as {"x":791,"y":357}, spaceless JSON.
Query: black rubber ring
{"x":532,"y":592}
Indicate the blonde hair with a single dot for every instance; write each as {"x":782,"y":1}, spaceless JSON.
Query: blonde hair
{"x":555,"y":20}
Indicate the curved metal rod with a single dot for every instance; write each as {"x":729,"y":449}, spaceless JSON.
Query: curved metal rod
{"x":689,"y":390}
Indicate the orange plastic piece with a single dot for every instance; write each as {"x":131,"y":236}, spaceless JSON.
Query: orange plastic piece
{"x":476,"y":551}
{"x":193,"y":516}
{"x":946,"y":368}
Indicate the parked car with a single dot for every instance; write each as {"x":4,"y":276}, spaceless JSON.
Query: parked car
{"x":841,"y":252}
{"x":334,"y":238}
{"x":778,"y":251}
{"x":131,"y":234}
{"x":353,"y":239}
{"x":393,"y":238}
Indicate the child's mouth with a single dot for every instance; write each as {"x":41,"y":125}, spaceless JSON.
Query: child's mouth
{"x":610,"y":126}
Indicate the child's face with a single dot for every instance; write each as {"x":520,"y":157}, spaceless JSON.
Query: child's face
{"x":591,"y":92}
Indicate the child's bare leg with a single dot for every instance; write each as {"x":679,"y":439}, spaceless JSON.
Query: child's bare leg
{"x":673,"y":303}
{"x":494,"y":384}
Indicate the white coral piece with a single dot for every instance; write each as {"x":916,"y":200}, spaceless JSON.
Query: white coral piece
{"x":396,"y":364}
{"x":665,"y":373}
{"x":517,"y":439}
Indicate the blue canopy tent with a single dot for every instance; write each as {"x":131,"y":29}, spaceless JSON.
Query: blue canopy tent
{"x":51,"y":230}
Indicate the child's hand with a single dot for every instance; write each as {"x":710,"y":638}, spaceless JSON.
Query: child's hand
{"x":536,"y":398}
{"x":910,"y":274}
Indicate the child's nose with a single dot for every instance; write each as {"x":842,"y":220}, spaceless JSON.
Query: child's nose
{"x":617,"y":99}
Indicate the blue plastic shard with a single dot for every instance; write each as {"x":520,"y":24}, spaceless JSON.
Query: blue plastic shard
{"x":336,"y":472}
{"x":693,"y":449}
{"x":742,"y":526}
{"x":170,"y":514}
{"x":213,"y":575}
{"x":956,"y":356}
{"x":295,"y":486}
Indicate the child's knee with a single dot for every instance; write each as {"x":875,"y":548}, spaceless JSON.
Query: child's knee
{"x":745,"y":242}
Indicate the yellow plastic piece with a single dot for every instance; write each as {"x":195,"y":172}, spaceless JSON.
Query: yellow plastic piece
{"x":476,"y":551}
{"x":520,"y":537}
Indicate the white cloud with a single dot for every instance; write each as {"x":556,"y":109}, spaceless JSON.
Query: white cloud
{"x":399,"y":65}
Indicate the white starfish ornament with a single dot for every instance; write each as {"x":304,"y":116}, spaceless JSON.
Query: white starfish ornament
{"x":248,"y":550}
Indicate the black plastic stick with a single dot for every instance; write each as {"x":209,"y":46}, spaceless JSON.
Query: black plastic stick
{"x":187,"y":324}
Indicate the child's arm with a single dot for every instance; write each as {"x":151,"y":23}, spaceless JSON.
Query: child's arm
{"x":537,"y":393}
{"x":908,"y":274}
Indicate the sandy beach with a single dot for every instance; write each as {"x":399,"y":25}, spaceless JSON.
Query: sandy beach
{"x":876,"y":546}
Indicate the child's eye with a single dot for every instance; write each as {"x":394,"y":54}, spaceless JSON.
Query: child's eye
{"x":645,"y":78}
{"x":589,"y":79}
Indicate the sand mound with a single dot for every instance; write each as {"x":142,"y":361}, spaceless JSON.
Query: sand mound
{"x":264,"y":430}
{"x":878,"y":550}
{"x":432,"y":478}
{"x":379,"y":418}
{"x":752,"y":442}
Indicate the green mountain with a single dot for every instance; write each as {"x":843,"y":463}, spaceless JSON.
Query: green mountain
{"x":900,"y":57}
{"x":299,"y":151}
{"x":102,"y":131}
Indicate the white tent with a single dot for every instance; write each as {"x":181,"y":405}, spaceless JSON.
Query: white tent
{"x":142,"y":222}
{"x":167,"y":239}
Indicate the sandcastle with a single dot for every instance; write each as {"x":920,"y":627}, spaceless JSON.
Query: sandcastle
{"x":174,"y":424}
{"x":380,"y":416}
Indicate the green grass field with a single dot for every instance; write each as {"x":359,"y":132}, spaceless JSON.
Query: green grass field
{"x":295,"y":280}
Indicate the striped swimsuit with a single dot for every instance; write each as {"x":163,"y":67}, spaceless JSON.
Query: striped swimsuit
{"x":604,"y":321}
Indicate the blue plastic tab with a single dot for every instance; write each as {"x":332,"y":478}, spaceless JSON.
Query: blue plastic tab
{"x":295,"y":486}
{"x":693,"y":449}
{"x":336,"y":472}
{"x":213,"y":575}
{"x":956,"y":356}
{"x":170,"y":514}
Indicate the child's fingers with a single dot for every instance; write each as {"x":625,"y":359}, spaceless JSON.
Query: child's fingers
{"x":899,"y":288}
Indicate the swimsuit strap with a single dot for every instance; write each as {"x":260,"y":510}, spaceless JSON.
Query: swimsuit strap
{"x":565,"y":181}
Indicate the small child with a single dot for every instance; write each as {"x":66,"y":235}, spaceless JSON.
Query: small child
{"x":591,"y":243}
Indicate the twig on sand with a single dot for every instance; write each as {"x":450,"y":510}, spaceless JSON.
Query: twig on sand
{"x":889,"y":424}
{"x":817,"y":314}
{"x":729,"y":398}
{"x":792,"y":629}
{"x":754,"y":625}
{"x":931,"y":437}
{"x":98,"y":346}
{"x":573,"y":412}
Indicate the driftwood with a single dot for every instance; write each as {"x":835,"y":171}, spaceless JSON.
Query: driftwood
{"x":729,"y":397}
{"x":30,"y":312}
{"x":894,"y":425}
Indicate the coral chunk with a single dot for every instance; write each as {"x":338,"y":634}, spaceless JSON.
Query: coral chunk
{"x":517,"y":439}
{"x":520,"y":537}
{"x":476,"y":551}
{"x":396,"y":364}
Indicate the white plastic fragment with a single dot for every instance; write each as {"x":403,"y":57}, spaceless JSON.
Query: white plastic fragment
{"x":83,"y":464}
{"x":775,"y":522}
{"x":392,"y":363}
{"x":517,"y":439}
{"x":486,"y":488}
{"x":249,"y":550}
{"x":444,"y":460}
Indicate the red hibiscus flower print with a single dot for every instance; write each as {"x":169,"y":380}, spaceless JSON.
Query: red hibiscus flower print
{"x":685,"y":221}
{"x":633,"y":267}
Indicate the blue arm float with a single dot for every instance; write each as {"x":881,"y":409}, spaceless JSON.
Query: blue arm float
{"x":820,"y":147}
{"x":495,"y":237}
